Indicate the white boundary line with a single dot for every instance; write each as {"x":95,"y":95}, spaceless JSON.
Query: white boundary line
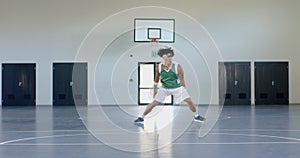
{"x":293,"y":140}
{"x":126,"y":144}
{"x":42,"y":137}
{"x":189,"y":130}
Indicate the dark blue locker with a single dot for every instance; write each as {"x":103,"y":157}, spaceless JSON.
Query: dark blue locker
{"x":18,"y":84}
{"x":235,"y":83}
{"x":70,"y":84}
{"x":271,"y":83}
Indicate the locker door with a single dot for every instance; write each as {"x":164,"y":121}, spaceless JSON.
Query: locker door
{"x":80,"y":80}
{"x":280,"y":83}
{"x":237,"y":77}
{"x":242,"y":83}
{"x":263,"y":81}
{"x":271,"y":83}
{"x":69,"y":83}
{"x":18,"y":84}
{"x":230,"y":78}
{"x":222,"y":82}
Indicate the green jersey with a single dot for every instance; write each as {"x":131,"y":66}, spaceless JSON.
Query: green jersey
{"x":169,"y":78}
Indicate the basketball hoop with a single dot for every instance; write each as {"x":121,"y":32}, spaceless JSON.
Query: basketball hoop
{"x":154,"y":39}
{"x":154,"y":46}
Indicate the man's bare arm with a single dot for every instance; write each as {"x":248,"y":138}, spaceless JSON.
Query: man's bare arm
{"x":157,"y":74}
{"x":181,"y":75}
{"x":156,"y":79}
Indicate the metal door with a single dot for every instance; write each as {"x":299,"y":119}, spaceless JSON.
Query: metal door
{"x":19,"y":84}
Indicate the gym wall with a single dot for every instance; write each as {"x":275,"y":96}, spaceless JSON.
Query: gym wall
{"x":44,"y":32}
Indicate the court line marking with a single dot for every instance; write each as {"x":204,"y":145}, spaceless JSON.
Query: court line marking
{"x":100,"y":132}
{"x":44,"y":131}
{"x":232,"y":134}
{"x":260,"y":135}
{"x":52,"y":136}
{"x":189,"y":130}
{"x":41,"y":137}
{"x":126,"y":144}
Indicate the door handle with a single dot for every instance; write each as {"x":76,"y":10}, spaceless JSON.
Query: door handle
{"x":273,"y":83}
{"x":20,"y":84}
{"x":71,"y":83}
{"x":235,"y":83}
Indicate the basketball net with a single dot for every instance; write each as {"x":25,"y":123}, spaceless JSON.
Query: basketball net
{"x":154,"y":46}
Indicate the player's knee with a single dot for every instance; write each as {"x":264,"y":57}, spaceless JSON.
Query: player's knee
{"x":188,"y":100}
{"x":154,"y":103}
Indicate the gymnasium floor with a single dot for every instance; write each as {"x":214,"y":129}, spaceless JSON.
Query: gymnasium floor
{"x":241,"y":131}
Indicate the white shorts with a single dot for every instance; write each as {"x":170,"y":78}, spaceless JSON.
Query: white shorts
{"x":179,"y":94}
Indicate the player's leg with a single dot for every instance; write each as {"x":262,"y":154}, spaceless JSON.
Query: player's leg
{"x":180,"y":94}
{"x":159,"y":98}
{"x":191,"y":104}
{"x":192,"y":107}
{"x":150,"y":107}
{"x":147,"y":111}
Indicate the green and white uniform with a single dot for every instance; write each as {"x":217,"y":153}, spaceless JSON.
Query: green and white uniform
{"x":169,"y":78}
{"x":170,"y":85}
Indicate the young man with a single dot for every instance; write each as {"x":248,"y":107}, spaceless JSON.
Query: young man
{"x":172,"y":79}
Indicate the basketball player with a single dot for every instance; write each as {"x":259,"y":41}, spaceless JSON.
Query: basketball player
{"x":171,"y":76}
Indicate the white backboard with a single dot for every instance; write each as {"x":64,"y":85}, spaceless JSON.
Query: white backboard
{"x":163,"y":29}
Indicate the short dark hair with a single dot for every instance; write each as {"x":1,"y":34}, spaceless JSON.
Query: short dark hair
{"x":166,"y":51}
